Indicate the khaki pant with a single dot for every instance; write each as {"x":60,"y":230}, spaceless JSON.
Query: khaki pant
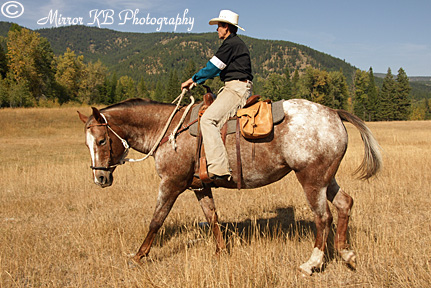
{"x":232,"y":98}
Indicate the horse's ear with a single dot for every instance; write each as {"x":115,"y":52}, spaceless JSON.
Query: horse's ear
{"x":82,"y":117}
{"x":97,"y":115}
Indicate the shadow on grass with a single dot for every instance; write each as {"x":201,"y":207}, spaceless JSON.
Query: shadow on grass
{"x":283,"y":224}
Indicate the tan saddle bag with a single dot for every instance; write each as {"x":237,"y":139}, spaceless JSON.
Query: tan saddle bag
{"x":256,"y":121}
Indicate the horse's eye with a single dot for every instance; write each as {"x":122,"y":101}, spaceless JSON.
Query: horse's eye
{"x":102,"y":142}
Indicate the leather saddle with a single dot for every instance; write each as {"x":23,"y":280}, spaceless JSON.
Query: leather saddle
{"x":276,"y":108}
{"x":230,"y":127}
{"x":238,"y":124}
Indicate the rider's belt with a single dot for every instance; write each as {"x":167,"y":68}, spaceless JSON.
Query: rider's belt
{"x":240,"y":80}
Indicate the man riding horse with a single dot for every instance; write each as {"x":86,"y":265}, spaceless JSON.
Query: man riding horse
{"x":311,"y":140}
{"x":232,"y":63}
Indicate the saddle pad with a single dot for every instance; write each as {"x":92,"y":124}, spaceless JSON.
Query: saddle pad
{"x":277,"y":117}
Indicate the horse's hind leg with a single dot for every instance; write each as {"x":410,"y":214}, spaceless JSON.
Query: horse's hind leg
{"x":343,"y":202}
{"x":316,"y":196}
{"x":206,"y":201}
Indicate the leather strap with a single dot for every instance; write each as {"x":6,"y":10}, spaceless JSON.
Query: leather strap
{"x":202,"y":161}
{"x":184,"y":128}
{"x":198,"y":149}
{"x":203,"y":171}
{"x":238,"y":156}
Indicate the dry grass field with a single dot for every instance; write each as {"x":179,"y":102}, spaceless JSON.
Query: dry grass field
{"x":58,"y":229}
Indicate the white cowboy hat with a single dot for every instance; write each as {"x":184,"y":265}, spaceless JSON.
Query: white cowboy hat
{"x":227,"y":16}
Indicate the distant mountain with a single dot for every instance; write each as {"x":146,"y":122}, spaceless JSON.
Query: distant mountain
{"x":420,"y":79}
{"x":411,"y":78}
{"x":421,"y":85}
{"x":154,"y":55}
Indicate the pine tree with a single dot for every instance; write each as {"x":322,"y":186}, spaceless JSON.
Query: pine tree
{"x":3,"y":62}
{"x":173,"y":87}
{"x":142,"y":89}
{"x":360,"y":102}
{"x":295,"y":84}
{"x":111,"y":88}
{"x":158,"y":93}
{"x":387,"y":95}
{"x":402,"y":98}
{"x":273,"y":86}
{"x":125,"y":89}
{"x":315,"y":85}
{"x":286,"y":89}
{"x":4,"y":94}
{"x":373,"y":97}
{"x":338,"y":90}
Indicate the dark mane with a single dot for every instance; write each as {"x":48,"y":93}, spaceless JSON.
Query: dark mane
{"x":133,"y":103}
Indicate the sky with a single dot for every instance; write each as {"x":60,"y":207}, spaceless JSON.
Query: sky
{"x":380,"y":34}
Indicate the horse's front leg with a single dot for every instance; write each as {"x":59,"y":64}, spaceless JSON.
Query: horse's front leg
{"x":206,"y":201}
{"x":168,"y":193}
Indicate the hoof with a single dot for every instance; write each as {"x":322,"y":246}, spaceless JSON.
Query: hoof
{"x":221,"y":251}
{"x":133,"y":261}
{"x":314,"y":263}
{"x":305,"y":271}
{"x":349,"y":257}
{"x":131,"y":264}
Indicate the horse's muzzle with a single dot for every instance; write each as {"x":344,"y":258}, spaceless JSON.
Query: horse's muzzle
{"x":103,"y":178}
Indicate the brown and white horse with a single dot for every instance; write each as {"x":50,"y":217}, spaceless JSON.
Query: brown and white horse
{"x":311,"y":141}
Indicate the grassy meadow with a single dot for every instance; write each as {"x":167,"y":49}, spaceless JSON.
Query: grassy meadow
{"x":58,"y":229}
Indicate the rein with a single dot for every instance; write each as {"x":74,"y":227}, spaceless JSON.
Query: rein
{"x":159,"y":141}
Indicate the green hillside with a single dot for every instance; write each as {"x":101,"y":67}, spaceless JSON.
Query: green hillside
{"x":154,"y":55}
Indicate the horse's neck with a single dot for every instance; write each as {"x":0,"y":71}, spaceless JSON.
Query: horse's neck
{"x":142,"y":125}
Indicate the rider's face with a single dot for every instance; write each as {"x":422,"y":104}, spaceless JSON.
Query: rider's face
{"x":223,"y":32}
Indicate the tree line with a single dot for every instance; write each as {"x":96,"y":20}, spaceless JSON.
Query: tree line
{"x":31,"y":75}
{"x":365,"y":99}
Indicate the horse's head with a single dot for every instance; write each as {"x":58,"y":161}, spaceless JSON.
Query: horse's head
{"x":106,"y":148}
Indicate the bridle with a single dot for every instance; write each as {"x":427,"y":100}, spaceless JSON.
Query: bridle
{"x":159,"y":141}
{"x":108,"y":140}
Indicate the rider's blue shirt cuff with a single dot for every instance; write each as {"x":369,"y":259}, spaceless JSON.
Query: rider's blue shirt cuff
{"x":211,"y":70}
